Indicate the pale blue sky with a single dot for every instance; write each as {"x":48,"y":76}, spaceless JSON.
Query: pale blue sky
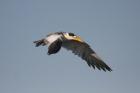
{"x":111,"y":27}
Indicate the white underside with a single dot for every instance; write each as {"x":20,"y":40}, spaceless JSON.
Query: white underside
{"x":52,"y":38}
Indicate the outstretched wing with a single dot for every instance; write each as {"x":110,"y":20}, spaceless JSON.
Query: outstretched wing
{"x":84,"y":51}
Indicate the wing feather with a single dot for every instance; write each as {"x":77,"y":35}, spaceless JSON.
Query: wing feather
{"x":84,"y":51}
{"x":54,"y":47}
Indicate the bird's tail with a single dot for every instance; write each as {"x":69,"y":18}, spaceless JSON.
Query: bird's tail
{"x":39,"y":42}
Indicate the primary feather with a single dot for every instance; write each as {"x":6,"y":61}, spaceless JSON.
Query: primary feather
{"x":84,"y":51}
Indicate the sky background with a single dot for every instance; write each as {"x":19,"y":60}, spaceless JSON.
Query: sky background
{"x":111,"y":27}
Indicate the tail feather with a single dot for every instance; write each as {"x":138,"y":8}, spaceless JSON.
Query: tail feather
{"x":39,"y":42}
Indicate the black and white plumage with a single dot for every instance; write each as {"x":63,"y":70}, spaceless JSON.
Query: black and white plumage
{"x":74,"y":43}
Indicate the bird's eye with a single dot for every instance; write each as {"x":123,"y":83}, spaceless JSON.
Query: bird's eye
{"x":71,"y":34}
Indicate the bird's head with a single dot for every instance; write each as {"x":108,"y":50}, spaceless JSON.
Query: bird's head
{"x":72,"y":36}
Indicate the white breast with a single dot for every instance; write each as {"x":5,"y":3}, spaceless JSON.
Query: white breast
{"x":52,"y":38}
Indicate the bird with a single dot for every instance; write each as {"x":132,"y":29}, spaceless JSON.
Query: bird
{"x":57,"y":40}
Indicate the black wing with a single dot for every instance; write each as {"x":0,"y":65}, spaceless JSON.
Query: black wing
{"x":84,"y":51}
{"x":54,"y":47}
